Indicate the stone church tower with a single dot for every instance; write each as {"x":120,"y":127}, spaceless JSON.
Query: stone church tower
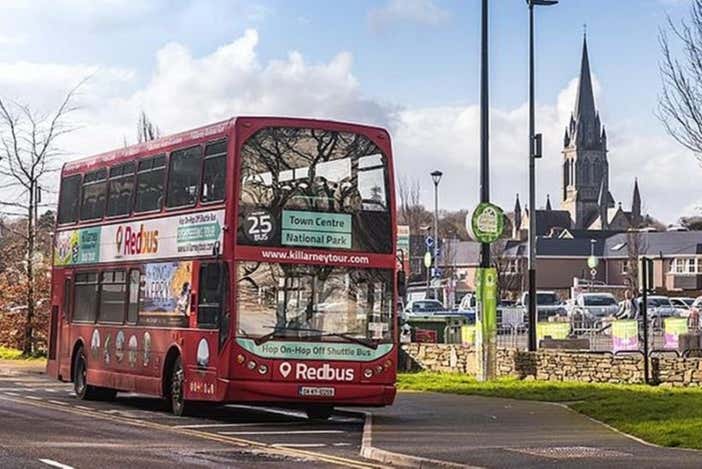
{"x":586,"y":192}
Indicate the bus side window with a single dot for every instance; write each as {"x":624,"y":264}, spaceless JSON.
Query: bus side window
{"x":85,"y":297}
{"x":211,"y":296}
{"x":94,"y":195}
{"x":69,"y":200}
{"x":214,"y":172}
{"x":149,"y":193}
{"x":184,"y":177}
{"x":134,"y":288}
{"x":120,"y":189}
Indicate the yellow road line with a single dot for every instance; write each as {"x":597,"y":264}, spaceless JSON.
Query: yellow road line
{"x":240,"y":442}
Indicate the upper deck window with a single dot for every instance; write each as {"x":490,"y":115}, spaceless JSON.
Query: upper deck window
{"x":121,"y":189}
{"x":150,"y":174}
{"x":69,"y":200}
{"x":314,"y":188}
{"x":214,"y":172}
{"x":92,"y":204}
{"x":184,"y":177}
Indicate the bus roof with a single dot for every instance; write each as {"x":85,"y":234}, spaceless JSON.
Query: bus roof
{"x":163,"y":143}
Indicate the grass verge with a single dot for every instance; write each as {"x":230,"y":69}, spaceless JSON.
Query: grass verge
{"x":7,"y":353}
{"x":665,"y":416}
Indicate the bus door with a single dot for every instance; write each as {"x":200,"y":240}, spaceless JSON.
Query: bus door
{"x":59,"y":327}
{"x":213,"y":318}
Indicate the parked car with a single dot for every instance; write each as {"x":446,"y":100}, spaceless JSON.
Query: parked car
{"x":659,"y":308}
{"x":423,"y":307}
{"x":596,"y":305}
{"x":547,"y":304}
{"x":683,"y":305}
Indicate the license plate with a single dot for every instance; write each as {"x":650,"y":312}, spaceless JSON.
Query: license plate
{"x":316,"y":391}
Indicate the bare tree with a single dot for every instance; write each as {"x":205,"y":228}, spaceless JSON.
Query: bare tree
{"x":146,"y":130}
{"x":680,"y":101}
{"x":411,"y":210}
{"x":510,"y":277}
{"x":635,"y":248}
{"x":28,"y":154}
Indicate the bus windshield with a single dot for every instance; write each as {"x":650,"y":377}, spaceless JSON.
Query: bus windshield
{"x":302,"y":302}
{"x":314,"y":188}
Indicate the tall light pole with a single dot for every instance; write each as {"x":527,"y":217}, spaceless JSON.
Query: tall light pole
{"x":484,"y":127}
{"x":436,"y":177}
{"x":532,"y":177}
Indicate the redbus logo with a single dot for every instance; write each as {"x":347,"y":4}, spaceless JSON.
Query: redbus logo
{"x":323,"y":373}
{"x":130,"y":242}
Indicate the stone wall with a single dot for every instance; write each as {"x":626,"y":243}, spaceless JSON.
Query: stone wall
{"x":558,"y":365}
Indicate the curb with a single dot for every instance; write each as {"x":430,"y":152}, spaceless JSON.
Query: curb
{"x":368,"y":451}
{"x":624,"y":434}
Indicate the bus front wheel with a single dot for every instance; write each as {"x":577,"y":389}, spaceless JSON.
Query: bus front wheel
{"x":176,"y":390}
{"x":319,"y":412}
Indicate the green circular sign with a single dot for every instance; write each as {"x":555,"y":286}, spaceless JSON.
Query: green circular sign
{"x":592,"y":262}
{"x":427,"y":259}
{"x":486,"y":223}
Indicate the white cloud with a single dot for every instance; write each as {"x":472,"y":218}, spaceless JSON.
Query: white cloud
{"x":425,"y":12}
{"x":185,"y":90}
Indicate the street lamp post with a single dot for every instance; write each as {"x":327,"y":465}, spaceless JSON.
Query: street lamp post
{"x":436,"y":177}
{"x":532,"y":178}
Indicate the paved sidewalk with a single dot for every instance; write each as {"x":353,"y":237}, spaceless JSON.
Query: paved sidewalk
{"x":500,"y":433}
{"x":12,"y":367}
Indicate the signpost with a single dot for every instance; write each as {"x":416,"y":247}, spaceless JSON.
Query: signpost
{"x":645,"y":284}
{"x":486,"y":225}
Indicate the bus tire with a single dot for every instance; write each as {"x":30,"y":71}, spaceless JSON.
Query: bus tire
{"x":83,"y":390}
{"x":176,"y":388}
{"x":321,"y":412}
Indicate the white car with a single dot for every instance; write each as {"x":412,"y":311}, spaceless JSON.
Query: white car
{"x":596,"y":305}
{"x":683,"y":305}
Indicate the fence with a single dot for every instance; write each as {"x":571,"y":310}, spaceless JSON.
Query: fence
{"x":579,"y":330}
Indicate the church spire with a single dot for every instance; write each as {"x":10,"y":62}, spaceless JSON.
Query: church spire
{"x":585,"y":99}
{"x":636,"y":204}
{"x":517,"y":214}
{"x":548,"y":202}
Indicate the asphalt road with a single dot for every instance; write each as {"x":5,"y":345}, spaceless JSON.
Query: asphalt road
{"x":42,"y":425}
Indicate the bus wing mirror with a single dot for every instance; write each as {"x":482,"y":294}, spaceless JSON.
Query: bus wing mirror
{"x":401,"y":284}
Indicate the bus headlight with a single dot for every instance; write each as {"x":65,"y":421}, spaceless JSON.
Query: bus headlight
{"x":368,"y":373}
{"x":378,"y":369}
{"x":251,"y":365}
{"x":262,"y":369}
{"x":240,"y":359}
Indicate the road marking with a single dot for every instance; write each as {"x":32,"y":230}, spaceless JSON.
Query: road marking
{"x":12,"y":394}
{"x":287,"y":413}
{"x":296,"y":432}
{"x":34,"y":398}
{"x":83,"y":407}
{"x":298,"y":445}
{"x":51,"y":462}
{"x":50,"y":390}
{"x":58,"y":402}
{"x":226,"y":425}
{"x":239,"y":442}
{"x":341,"y":444}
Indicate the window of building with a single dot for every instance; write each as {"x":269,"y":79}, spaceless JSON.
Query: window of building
{"x":184,"y":177}
{"x":150,"y":174}
{"x":86,"y":297}
{"x":686,"y":265}
{"x":92,"y":204}
{"x":134,"y":284}
{"x":120,"y":189}
{"x":69,"y":200}
{"x":214,"y":172}
{"x":113,"y":291}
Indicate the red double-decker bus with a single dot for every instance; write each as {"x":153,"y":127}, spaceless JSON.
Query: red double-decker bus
{"x":249,"y":261}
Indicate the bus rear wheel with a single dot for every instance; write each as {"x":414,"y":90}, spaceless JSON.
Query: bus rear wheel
{"x":322,"y":412}
{"x":177,"y":387}
{"x":83,"y":390}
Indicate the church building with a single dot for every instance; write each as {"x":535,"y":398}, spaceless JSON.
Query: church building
{"x":587,"y":203}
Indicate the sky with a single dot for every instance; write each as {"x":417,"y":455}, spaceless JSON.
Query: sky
{"x":411,"y":66}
